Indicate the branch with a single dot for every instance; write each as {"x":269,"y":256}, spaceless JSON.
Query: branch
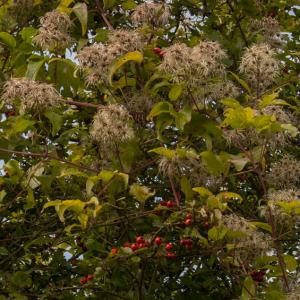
{"x":83,"y":104}
{"x":103,"y":15}
{"x":238,"y":23}
{"x":48,"y":156}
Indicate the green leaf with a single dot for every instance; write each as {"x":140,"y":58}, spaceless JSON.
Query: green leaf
{"x":56,"y":121}
{"x":239,"y":162}
{"x":8,"y":40}
{"x":21,"y":279}
{"x":248,"y":291}
{"x":241,"y":82}
{"x":160,"y":108}
{"x":186,"y":188}
{"x":231,"y":103}
{"x":135,"y":56}
{"x":128,"y":5}
{"x":227,"y":196}
{"x":109,"y":3}
{"x":81,"y":12}
{"x":217,"y":233}
{"x":290,"y":263}
{"x":27,"y":33}
{"x":141,"y":193}
{"x":216,"y":164}
{"x":168,"y":153}
{"x":3,"y":251}
{"x":203,"y":192}
{"x":64,"y":6}
{"x":33,"y":68}
{"x":2,"y":195}
{"x":271,"y":99}
{"x":263,"y":226}
{"x":175,"y":92}
{"x":292,"y":130}
{"x":21,"y":124}
{"x":183,"y":117}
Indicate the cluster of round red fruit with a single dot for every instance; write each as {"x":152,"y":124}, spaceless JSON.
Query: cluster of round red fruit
{"x":86,"y":278}
{"x":140,"y":243}
{"x":159,"y":52}
{"x":258,"y":276}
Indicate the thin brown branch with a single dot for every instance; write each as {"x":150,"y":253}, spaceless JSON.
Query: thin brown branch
{"x":83,"y":104}
{"x":48,"y":156}
{"x":103,"y":15}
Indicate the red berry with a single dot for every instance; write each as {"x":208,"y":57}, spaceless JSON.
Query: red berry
{"x":188,"y":222}
{"x":139,"y":240}
{"x":189,"y":247}
{"x":169,"y":246}
{"x":171,"y":255}
{"x":134,"y":247}
{"x":162,"y":54}
{"x":163,"y":203}
{"x":206,"y":225}
{"x":114,"y":250}
{"x":127,"y":245}
{"x":258,"y":276}
{"x":188,"y":216}
{"x":141,"y":245}
{"x":157,"y":50}
{"x":11,"y":113}
{"x":158,"y":241}
{"x":83,"y":280}
{"x":189,"y":242}
{"x":90,"y":277}
{"x":170,"y":204}
{"x":182,"y":242}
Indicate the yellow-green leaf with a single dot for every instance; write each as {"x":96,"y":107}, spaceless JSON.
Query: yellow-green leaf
{"x":135,"y":56}
{"x":7,"y":39}
{"x":141,"y":193}
{"x":81,"y":12}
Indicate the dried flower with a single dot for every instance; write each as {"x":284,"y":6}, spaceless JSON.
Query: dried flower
{"x":224,"y":89}
{"x":21,"y":10}
{"x":284,"y":173}
{"x":206,"y":57}
{"x":33,"y":95}
{"x":282,"y":116}
{"x":259,"y":66}
{"x":285,"y":195}
{"x":129,"y":40}
{"x":54,"y":31}
{"x":95,"y":60}
{"x":151,"y":13}
{"x":187,"y":163}
{"x":111,"y":126}
{"x":270,"y":29}
{"x":251,"y":243}
{"x":177,"y":62}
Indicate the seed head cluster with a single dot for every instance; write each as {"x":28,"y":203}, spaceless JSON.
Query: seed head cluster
{"x":33,"y":96}
{"x":259,"y":66}
{"x":193,"y":65}
{"x":252,"y":243}
{"x":111,"y":126}
{"x":96,"y":59}
{"x":284,"y":174}
{"x":154,"y":14}
{"x":189,"y":165}
{"x":54,"y":31}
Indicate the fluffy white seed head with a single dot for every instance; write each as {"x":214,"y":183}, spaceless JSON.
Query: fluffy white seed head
{"x":33,"y":96}
{"x":151,"y":13}
{"x":284,"y":174}
{"x":259,"y":66}
{"x":111,"y":126}
{"x":54,"y":31}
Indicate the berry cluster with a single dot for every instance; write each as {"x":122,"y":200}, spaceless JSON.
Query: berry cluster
{"x":86,"y":278}
{"x":188,"y":219}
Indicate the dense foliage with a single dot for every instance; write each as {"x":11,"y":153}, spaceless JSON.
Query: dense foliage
{"x":149,"y":150}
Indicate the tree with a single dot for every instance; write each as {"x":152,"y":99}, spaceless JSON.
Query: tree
{"x":150,"y":150}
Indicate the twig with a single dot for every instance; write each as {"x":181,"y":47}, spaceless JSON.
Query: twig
{"x":48,"y":156}
{"x":103,"y":15}
{"x":83,"y":104}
